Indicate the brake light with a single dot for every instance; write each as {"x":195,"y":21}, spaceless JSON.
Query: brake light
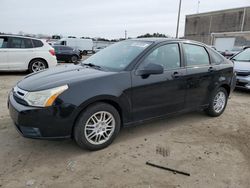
{"x":52,"y":52}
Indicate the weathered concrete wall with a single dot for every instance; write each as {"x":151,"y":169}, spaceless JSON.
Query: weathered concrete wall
{"x":200,"y":26}
{"x":247,"y":20}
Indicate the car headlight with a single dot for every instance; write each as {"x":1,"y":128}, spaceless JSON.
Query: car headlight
{"x":44,"y":98}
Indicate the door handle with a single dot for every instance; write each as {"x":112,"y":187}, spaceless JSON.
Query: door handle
{"x":211,"y":69}
{"x":176,"y":75}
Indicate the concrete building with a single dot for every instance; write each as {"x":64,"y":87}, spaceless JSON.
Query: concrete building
{"x":224,"y":29}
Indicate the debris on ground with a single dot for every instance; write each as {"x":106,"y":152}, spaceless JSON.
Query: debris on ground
{"x":169,"y":169}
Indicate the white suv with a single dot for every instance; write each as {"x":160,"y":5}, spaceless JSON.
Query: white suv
{"x":23,"y":53}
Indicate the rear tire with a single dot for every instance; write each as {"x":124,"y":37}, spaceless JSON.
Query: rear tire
{"x":217,"y":102}
{"x":97,"y":126}
{"x":37,"y":65}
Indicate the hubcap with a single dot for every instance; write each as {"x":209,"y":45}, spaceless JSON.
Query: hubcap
{"x":74,"y":59}
{"x":219,"y":102}
{"x":99,"y":127}
{"x":38,"y":66}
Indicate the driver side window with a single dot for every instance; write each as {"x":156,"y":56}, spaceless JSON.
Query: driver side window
{"x":167,"y":56}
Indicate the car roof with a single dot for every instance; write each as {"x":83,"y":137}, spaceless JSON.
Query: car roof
{"x":60,"y":46}
{"x":20,"y":36}
{"x":159,"y":40}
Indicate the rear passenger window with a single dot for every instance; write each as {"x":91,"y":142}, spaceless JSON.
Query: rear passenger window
{"x":16,"y":42}
{"x":195,"y":55}
{"x":28,"y":43}
{"x":67,"y":48}
{"x":37,"y":43}
{"x":215,"y":57}
{"x":56,"y":48}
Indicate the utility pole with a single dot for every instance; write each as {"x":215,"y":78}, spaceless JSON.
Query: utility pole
{"x":198,"y":7}
{"x":125,"y":34}
{"x":178,"y":19}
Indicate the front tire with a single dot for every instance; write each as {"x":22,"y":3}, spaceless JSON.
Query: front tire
{"x":97,"y":126}
{"x":217,"y":102}
{"x":74,"y":59}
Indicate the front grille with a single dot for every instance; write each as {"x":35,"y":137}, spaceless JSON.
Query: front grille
{"x":243,"y":73}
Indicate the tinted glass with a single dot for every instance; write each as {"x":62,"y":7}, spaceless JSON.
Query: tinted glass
{"x":216,"y":57}
{"x":15,"y":42}
{"x":195,"y":55}
{"x":37,"y":43}
{"x":56,"y":47}
{"x":66,"y":48}
{"x":243,"y":56}
{"x":3,"y":42}
{"x":28,"y":43}
{"x":168,"y":56}
{"x":118,"y":56}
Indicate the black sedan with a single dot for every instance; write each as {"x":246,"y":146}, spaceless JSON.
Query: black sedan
{"x":126,"y":83}
{"x":66,"y":54}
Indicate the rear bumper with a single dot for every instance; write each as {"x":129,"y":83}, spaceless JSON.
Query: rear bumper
{"x":42,"y":123}
{"x":52,"y":61}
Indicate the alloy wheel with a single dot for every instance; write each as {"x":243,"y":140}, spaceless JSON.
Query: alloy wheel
{"x":219,"y":102}
{"x":99,"y":127}
{"x":38,"y":66}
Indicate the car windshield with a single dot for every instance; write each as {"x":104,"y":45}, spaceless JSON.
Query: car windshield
{"x":243,"y":56}
{"x":117,"y":56}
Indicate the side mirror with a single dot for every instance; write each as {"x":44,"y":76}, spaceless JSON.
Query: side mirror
{"x":149,"y":69}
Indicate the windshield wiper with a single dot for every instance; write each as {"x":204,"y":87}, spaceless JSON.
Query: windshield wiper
{"x":92,"y":65}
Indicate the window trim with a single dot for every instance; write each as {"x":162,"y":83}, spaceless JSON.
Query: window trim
{"x":182,"y":65}
{"x":210,"y":51}
{"x":6,"y":47}
{"x":185,"y":58}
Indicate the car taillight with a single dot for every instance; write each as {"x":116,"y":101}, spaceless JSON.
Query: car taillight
{"x":52,"y":52}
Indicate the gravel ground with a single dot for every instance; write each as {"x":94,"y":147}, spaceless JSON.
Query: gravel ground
{"x":215,"y":151}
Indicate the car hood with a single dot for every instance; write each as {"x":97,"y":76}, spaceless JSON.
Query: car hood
{"x":58,"y":76}
{"x":241,"y":66}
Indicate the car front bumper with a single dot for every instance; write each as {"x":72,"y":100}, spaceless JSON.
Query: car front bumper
{"x":53,"y":122}
{"x":243,"y":82}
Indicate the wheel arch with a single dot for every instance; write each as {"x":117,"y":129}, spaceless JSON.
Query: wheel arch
{"x":38,"y":58}
{"x":78,"y":56}
{"x":113,"y":101}
{"x":226,"y":87}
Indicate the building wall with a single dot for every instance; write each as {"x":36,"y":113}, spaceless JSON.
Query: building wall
{"x":200,"y":26}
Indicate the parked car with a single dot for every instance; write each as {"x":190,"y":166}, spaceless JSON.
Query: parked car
{"x":213,"y":47}
{"x":84,"y":45}
{"x":67,"y":54}
{"x":19,"y":53}
{"x":230,"y":53}
{"x":128,"y":82}
{"x":245,"y":47}
{"x":242,"y":68}
{"x":97,"y":49}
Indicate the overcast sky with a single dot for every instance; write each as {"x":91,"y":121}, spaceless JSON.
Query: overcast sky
{"x":102,"y":18}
